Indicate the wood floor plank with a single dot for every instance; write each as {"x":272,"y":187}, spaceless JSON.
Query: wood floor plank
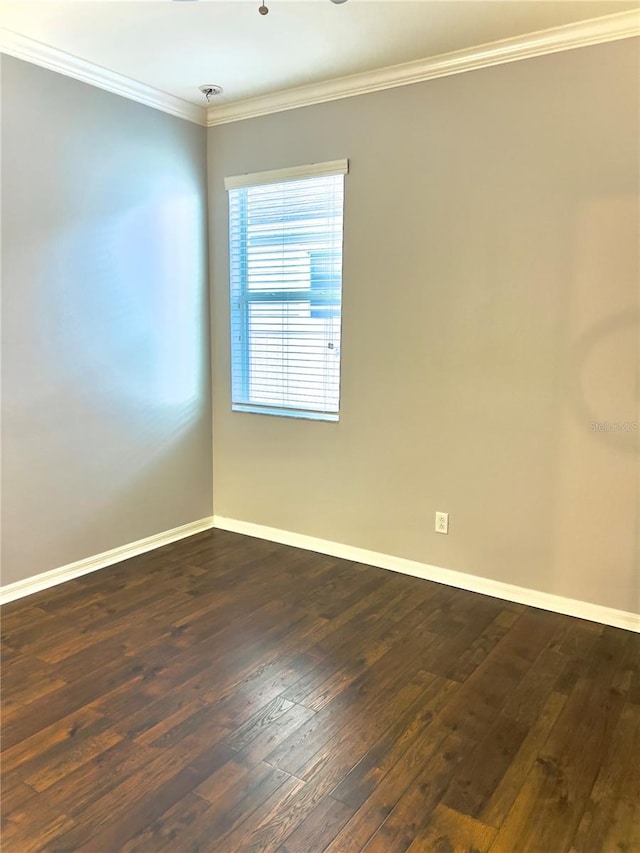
{"x":617,"y":780}
{"x":77,"y":791}
{"x":409,"y":817}
{"x":577,"y":645}
{"x":68,"y":641}
{"x":435,"y":744}
{"x":317,"y":830}
{"x":274,"y":734}
{"x":129,"y":808}
{"x":250,"y":820}
{"x":623,"y":832}
{"x":287,"y":814}
{"x":619,"y":773}
{"x":19,"y":799}
{"x":15,"y":702}
{"x":35,"y":831}
{"x":348,"y":746}
{"x":264,"y":718}
{"x":483,"y":695}
{"x":554,"y":795}
{"x":226,"y":694}
{"x":406,"y":736}
{"x":354,"y":659}
{"x":491,"y":756}
{"x":455,"y":658}
{"x":63,"y":701}
{"x":81,"y":754}
{"x":19,"y":614}
{"x":229,"y":705}
{"x":170,"y":829}
{"x":68,"y":729}
{"x":371,"y":693}
{"x":485,"y":764}
{"x":448,"y":831}
{"x":236,"y":810}
{"x":159,"y":717}
{"x":499,"y":803}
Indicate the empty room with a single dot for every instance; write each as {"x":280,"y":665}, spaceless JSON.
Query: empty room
{"x":320,"y":449}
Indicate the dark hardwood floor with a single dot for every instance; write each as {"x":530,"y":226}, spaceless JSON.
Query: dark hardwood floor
{"x":228,"y":694}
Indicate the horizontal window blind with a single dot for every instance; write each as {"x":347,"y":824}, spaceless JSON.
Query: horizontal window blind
{"x":285,"y":244}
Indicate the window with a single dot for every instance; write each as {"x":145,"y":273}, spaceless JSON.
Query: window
{"x":285,"y":257}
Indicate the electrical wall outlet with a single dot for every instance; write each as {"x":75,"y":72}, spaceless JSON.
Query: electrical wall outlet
{"x":442,"y":522}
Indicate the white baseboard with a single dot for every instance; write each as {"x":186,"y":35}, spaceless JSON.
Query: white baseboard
{"x":44,"y":580}
{"x":461,"y":580}
{"x":485,"y":586}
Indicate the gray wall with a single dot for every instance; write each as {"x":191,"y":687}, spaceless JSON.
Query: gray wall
{"x":490,"y":317}
{"x":106,"y":432}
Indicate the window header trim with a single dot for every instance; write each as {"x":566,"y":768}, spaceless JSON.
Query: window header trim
{"x":312,"y":170}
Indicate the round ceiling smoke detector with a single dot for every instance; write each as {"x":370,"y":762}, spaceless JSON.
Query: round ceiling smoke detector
{"x":210,"y":90}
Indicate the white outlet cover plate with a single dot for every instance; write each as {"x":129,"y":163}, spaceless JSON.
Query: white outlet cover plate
{"x":442,"y":522}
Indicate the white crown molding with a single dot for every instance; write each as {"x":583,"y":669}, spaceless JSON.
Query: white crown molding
{"x":44,"y":580}
{"x":460,"y":580}
{"x":49,"y":57}
{"x":581,"y":34}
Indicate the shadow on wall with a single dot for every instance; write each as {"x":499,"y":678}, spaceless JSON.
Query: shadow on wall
{"x":596,"y":515}
{"x":604,"y":348}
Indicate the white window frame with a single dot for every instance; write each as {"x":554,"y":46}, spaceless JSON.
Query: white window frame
{"x":240,"y":369}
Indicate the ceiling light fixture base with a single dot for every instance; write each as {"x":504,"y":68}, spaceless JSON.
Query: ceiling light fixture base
{"x":210,"y":90}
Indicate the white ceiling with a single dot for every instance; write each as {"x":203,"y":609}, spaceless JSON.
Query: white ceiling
{"x":176,"y":46}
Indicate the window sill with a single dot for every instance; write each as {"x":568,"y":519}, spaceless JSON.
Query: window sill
{"x":286,"y":413}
